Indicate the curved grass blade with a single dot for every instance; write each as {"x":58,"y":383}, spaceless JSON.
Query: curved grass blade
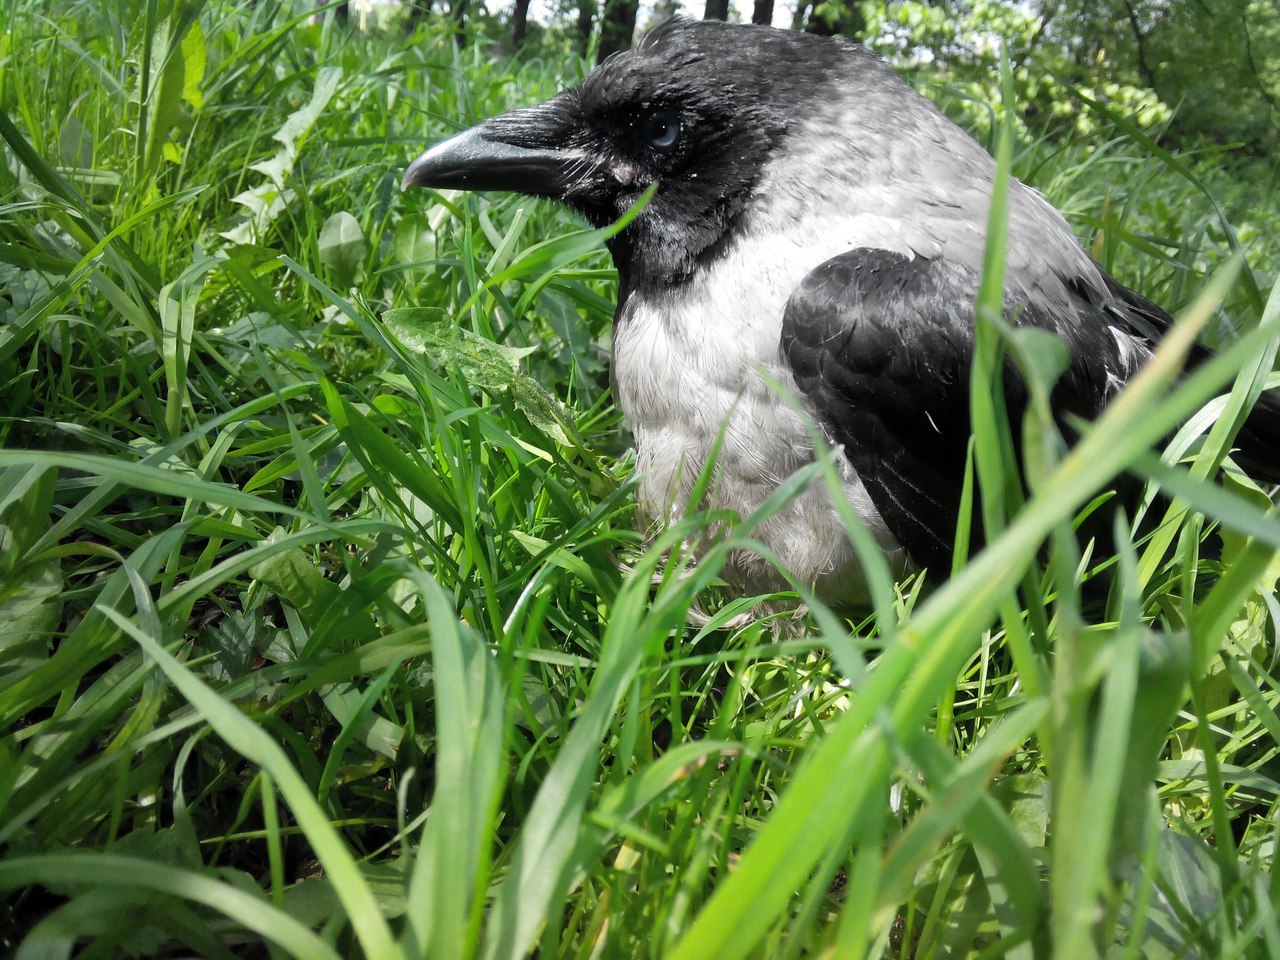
{"x":246,"y":738}
{"x":249,"y":911}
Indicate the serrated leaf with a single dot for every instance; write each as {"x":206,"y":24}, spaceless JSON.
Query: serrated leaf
{"x":485,"y":364}
{"x":276,"y":169}
{"x":237,"y":640}
{"x":314,"y":901}
{"x":296,"y":579}
{"x":429,"y":331}
{"x":299,"y":123}
{"x":264,"y":203}
{"x":544,"y":411}
{"x":343,"y":248}
{"x":377,"y":733}
{"x":1187,"y":894}
{"x":290,"y":135}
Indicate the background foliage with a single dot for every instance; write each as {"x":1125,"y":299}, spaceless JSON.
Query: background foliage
{"x":324,"y":626}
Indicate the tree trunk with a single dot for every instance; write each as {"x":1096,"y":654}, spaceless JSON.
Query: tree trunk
{"x":1140,"y":42}
{"x":762,"y":12}
{"x":519,"y":23}
{"x":459,"y":13}
{"x":618,"y":27}
{"x":820,"y":26}
{"x":586,"y":19}
{"x":716,"y":10}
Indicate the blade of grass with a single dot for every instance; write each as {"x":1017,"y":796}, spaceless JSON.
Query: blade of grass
{"x":247,"y":739}
{"x":244,"y":908}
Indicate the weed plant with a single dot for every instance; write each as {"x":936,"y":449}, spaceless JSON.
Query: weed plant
{"x":326,"y":631}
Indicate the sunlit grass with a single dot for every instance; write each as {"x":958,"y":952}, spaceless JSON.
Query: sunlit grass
{"x":326,"y":630}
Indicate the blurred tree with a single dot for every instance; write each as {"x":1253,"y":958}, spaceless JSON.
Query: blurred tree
{"x":1215,"y":62}
{"x":458,"y":10}
{"x":519,"y":23}
{"x":618,"y":26}
{"x":829,"y":18}
{"x":586,"y":20}
{"x":1213,"y":65}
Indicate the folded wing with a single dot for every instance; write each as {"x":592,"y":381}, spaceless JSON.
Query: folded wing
{"x":881,"y":345}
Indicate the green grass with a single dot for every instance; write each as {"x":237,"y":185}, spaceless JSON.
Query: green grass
{"x":325,"y":629}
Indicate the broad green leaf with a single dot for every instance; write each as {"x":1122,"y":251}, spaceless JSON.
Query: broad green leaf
{"x":194,"y":55}
{"x":293,"y":576}
{"x":26,"y":497}
{"x":1234,"y":542}
{"x":314,"y":901}
{"x":482,"y":363}
{"x":415,"y":241}
{"x":343,"y":248}
{"x":30,"y":610}
{"x":75,"y":143}
{"x":428,"y":331}
{"x":353,"y":710}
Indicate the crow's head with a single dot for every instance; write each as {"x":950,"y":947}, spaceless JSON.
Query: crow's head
{"x":698,"y":107}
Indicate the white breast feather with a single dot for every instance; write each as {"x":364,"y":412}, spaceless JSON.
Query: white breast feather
{"x":683,"y":376}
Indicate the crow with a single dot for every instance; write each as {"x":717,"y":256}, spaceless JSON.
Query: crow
{"x":820,"y":225}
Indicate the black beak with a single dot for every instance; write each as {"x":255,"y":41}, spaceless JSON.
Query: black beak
{"x":524,"y":151}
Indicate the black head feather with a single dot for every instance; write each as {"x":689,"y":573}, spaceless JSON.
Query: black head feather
{"x":734,"y":92}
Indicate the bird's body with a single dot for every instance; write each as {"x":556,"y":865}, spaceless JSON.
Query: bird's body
{"x":818,"y":226}
{"x":680,"y":384}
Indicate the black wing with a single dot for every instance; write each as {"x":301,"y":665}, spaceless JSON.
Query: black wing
{"x":880,"y":346}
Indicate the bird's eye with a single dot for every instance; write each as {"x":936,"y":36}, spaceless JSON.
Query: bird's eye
{"x":661,"y":129}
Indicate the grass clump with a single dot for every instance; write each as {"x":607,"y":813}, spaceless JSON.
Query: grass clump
{"x":324,"y":626}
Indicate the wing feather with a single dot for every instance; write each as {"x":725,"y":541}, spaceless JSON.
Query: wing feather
{"x":880,"y":346}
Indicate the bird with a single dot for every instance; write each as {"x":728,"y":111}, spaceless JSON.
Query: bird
{"x":817,"y":230}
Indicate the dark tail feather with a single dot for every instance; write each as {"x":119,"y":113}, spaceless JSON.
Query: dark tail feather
{"x":1259,"y":440}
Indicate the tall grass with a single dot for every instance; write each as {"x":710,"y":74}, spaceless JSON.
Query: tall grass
{"x":326,"y":631}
